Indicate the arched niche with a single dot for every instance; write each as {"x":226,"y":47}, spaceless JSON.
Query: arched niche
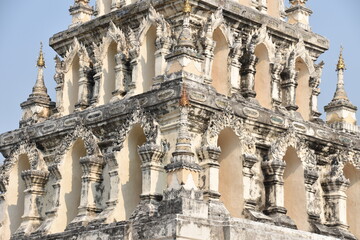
{"x":108,"y":70}
{"x":353,"y":196}
{"x":263,"y":76}
{"x":230,"y":172}
{"x":219,"y":72}
{"x":71,"y":86}
{"x":70,"y":186}
{"x":303,"y":89}
{"x":15,"y":195}
{"x":103,"y":6}
{"x":147,"y":62}
{"x":130,"y":179}
{"x":294,"y":190}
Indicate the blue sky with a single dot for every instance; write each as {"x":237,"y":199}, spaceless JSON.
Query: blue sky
{"x":24,"y":23}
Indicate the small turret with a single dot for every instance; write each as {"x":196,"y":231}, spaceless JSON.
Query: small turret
{"x":81,"y":12}
{"x":298,"y":13}
{"x":340,"y":112}
{"x":38,"y":105}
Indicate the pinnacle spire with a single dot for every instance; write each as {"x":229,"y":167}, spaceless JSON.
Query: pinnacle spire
{"x":41,"y":60}
{"x":39,"y":88}
{"x":341,"y":63}
{"x":340,"y":90}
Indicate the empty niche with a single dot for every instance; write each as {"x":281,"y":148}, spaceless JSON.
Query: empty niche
{"x":303,"y":90}
{"x":219,"y":72}
{"x":294,"y":190}
{"x":263,"y":77}
{"x":230,"y":172}
{"x":130,"y":173}
{"x":15,"y":195}
{"x":70,"y":191}
{"x":147,"y":62}
{"x":71,"y":88}
{"x":108,"y":80}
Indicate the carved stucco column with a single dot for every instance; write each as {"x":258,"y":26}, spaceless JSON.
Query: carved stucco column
{"x":84,"y":85}
{"x":90,"y":189}
{"x":54,"y":173}
{"x":248,"y":75}
{"x":97,"y":79}
{"x":209,"y":156}
{"x":121,"y":73}
{"x":235,"y":65}
{"x":334,"y":185}
{"x":113,"y":167}
{"x":289,"y":84}
{"x":34,"y":181}
{"x":153,"y":173}
{"x":311,"y":175}
{"x":274,"y":186}
{"x":314,"y":83}
{"x":276,"y":69}
{"x":59,"y":79}
{"x":208,"y":59}
{"x":248,"y":162}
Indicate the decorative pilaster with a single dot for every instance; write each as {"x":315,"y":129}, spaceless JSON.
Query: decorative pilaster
{"x":249,"y":61}
{"x":121,"y":74}
{"x":84,"y":81}
{"x":81,"y":12}
{"x":276,"y":69}
{"x":59,"y":79}
{"x":97,"y":78}
{"x":315,"y":80}
{"x":289,"y":84}
{"x":90,"y":189}
{"x":55,"y":174}
{"x":334,"y":185}
{"x":34,"y":181}
{"x":310,"y":176}
{"x":248,"y":162}
{"x":113,"y":167}
{"x":153,"y":171}
{"x":235,"y":64}
{"x":274,"y":192}
{"x":134,"y":53}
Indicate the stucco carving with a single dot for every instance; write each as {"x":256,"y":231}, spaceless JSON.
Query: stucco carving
{"x":90,"y":142}
{"x":291,"y":139}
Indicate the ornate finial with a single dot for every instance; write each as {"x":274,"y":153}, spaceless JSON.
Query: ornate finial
{"x":341,"y":63}
{"x":41,"y":61}
{"x":184,"y":100}
{"x":187,"y":7}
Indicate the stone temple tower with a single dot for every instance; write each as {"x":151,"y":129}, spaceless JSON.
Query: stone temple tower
{"x":183,"y":120}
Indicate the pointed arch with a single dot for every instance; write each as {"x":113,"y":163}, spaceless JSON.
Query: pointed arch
{"x":220,"y":72}
{"x":67,"y":200}
{"x":303,"y":89}
{"x":23,"y":157}
{"x":112,"y":47}
{"x":299,"y":176}
{"x":231,"y":172}
{"x":90,"y":142}
{"x":76,"y":60}
{"x":263,"y":76}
